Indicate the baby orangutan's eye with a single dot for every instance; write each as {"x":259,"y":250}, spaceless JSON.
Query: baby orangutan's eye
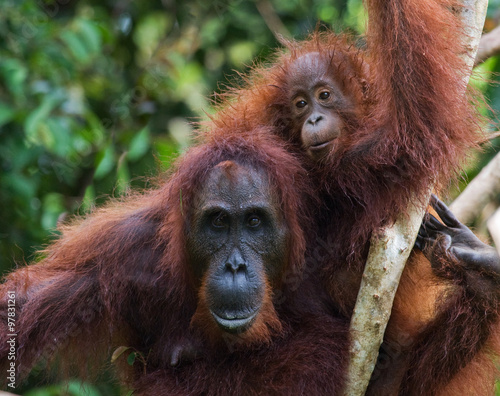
{"x":324,"y":95}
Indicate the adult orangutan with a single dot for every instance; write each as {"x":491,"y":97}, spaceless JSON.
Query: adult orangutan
{"x":380,"y":125}
{"x":213,"y":256}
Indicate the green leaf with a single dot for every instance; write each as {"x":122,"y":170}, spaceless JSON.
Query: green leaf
{"x":53,"y":206}
{"x":131,"y":358}
{"x":139,"y":145}
{"x":91,"y":36}
{"x":95,"y":133}
{"x":123,"y":174}
{"x":14,"y":74}
{"x":150,"y":30}
{"x":61,"y":136}
{"x":105,"y":162}
{"x":166,"y":150}
{"x":76,"y":46}
{"x":88,"y":201}
{"x":34,"y":120}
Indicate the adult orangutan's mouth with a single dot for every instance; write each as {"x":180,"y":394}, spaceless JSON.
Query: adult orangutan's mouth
{"x":235,"y":324}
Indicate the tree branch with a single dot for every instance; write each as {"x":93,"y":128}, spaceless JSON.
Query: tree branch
{"x":484,"y":188}
{"x":488,"y":46}
{"x":494,"y":228}
{"x":490,"y":136}
{"x":272,"y":19}
{"x":389,"y":250}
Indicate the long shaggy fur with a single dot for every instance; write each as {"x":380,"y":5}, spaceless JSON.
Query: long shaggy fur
{"x":119,"y":278}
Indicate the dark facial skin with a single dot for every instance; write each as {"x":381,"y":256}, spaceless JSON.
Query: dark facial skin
{"x":316,"y":101}
{"x":237,"y":239}
{"x":454,"y":240}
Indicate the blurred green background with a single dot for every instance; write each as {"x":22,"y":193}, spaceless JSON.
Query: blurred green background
{"x":97,"y":96}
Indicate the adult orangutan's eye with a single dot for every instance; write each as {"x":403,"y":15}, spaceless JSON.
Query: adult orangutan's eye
{"x":219,"y":220}
{"x":253,"y":221}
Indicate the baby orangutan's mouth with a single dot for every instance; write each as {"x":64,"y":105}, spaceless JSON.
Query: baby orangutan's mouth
{"x":319,"y":150}
{"x":320,"y":146}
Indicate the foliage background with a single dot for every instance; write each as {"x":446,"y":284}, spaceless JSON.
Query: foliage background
{"x":96,"y":97}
